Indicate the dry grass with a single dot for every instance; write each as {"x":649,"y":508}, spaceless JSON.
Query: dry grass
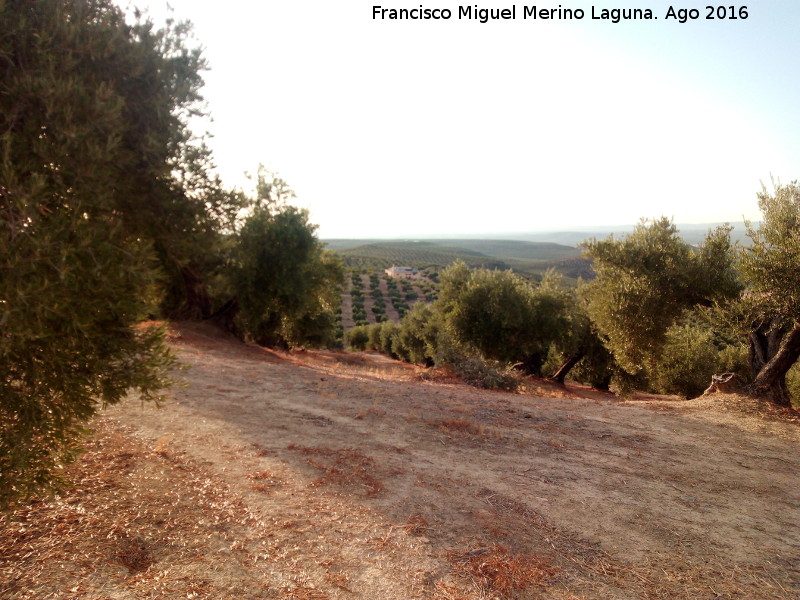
{"x":445,"y":591}
{"x":134,"y":553}
{"x":494,"y":569}
{"x":304,"y":592}
{"x":468,"y":429}
{"x":264,"y":481}
{"x":259,"y":450}
{"x":438,"y":375}
{"x":175,"y":517}
{"x":117,"y":530}
{"x":464,"y":426}
{"x":339,"y":580}
{"x":345,"y":467}
{"x":162,"y":445}
{"x":416,"y":524}
{"x":744,"y":405}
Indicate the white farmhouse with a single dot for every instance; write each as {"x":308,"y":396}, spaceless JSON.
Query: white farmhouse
{"x":402,"y":272}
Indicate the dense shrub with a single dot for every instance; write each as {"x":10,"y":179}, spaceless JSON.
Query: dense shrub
{"x":501,"y":316}
{"x":388,"y":333}
{"x":286,"y":283}
{"x":374,"y":335}
{"x":417,"y":337}
{"x":733,"y":358}
{"x":357,"y":338}
{"x":687,"y":361}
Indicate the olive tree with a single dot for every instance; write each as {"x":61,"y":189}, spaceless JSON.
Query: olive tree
{"x":579,"y":348}
{"x":501,"y":315}
{"x":91,"y":133}
{"x":285,"y":284}
{"x":769,"y":310}
{"x":647,"y":280}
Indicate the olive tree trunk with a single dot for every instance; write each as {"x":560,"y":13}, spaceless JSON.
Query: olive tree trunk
{"x":561,"y":374}
{"x":225,"y":317}
{"x":196,"y":304}
{"x":773,"y":351}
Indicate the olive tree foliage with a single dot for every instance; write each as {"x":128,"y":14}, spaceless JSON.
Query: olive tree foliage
{"x":272,"y":191}
{"x":286,"y":286}
{"x":502,"y":316}
{"x":688,"y":360}
{"x":484,"y":324}
{"x":769,"y":310}
{"x":579,"y":351}
{"x":418,"y":336}
{"x":358,"y":338}
{"x":647,"y":280}
{"x":91,"y":133}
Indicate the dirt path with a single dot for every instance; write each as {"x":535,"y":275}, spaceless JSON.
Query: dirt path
{"x":337,"y":476}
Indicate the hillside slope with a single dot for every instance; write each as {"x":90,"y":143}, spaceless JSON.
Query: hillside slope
{"x":331,"y":475}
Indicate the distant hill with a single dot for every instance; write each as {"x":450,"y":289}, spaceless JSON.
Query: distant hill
{"x":531,"y":253}
{"x":522,"y":256}
{"x":526,"y":256}
{"x":517,"y":249}
{"x":693,"y":233}
{"x":342,"y":244}
{"x":420,"y":254}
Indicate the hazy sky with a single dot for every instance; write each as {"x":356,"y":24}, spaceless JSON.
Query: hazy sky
{"x":414,"y":127}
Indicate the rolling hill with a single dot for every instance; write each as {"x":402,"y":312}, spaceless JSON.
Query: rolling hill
{"x":525,"y":257}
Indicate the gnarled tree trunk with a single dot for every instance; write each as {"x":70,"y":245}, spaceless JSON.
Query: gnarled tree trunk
{"x":226,"y":315}
{"x":773,"y":351}
{"x":561,"y":374}
{"x":196,"y":304}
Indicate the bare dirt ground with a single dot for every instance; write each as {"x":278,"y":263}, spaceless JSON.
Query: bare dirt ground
{"x":342,"y":476}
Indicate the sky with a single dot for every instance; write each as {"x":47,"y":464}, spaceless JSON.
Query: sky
{"x":412,"y":128}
